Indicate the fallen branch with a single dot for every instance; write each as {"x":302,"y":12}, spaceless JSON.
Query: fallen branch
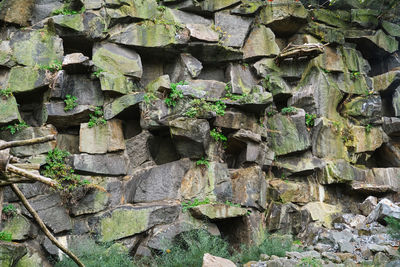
{"x":36,"y":177}
{"x":27,"y":142}
{"x":43,"y":226}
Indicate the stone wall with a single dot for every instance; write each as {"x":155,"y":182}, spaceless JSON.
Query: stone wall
{"x":307,"y":140}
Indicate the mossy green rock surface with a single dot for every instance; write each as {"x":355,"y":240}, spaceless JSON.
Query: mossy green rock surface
{"x":27,"y":79}
{"x":11,"y":253}
{"x":8,"y":110}
{"x":18,"y":226}
{"x":122,"y":103}
{"x":112,"y":82}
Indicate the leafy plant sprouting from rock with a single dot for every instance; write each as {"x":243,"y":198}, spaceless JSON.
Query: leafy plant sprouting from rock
{"x":6,"y":93}
{"x":96,"y":118}
{"x":368,"y":128}
{"x":9,"y":210}
{"x":15,"y":127}
{"x":203,"y":162}
{"x":5,"y":236}
{"x":194,"y":203}
{"x":66,"y":10}
{"x":218,"y":135}
{"x":289,"y":111}
{"x":70,"y":102}
{"x":57,"y":169}
{"x":54,"y":66}
{"x":201,"y":106}
{"x":175,"y":94}
{"x":98,"y":72}
{"x":310,"y":120}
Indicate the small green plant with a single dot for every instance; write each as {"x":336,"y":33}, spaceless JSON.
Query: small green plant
{"x":149,"y":97}
{"x":218,"y":135}
{"x":194,"y":203}
{"x":66,"y":10}
{"x":6,"y":93}
{"x":15,"y":128}
{"x":271,"y":113}
{"x":54,"y":66}
{"x":97,"y":118}
{"x":57,"y":169}
{"x":368,"y":128}
{"x":98,"y":72}
{"x":325,"y":70}
{"x":228,"y":203}
{"x":201,"y":106}
{"x":161,"y":8}
{"x":70,"y":102}
{"x":393,"y":225}
{"x":297,"y":242}
{"x":203,"y":162}
{"x":289,"y":111}
{"x":5,"y":236}
{"x":309,"y":262}
{"x":354,"y":75}
{"x":175,"y":94}
{"x":310,"y":120}
{"x":228,"y":93}
{"x":9,"y":210}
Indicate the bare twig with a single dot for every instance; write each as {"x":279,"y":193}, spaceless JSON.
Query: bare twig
{"x":27,"y":142}
{"x":36,"y":177}
{"x":43,"y":226}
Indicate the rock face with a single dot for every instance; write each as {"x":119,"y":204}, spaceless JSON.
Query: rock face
{"x":205,"y":114}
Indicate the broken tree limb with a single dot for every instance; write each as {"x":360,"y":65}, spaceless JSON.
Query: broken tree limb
{"x":36,"y":177}
{"x":27,"y":142}
{"x":43,"y":226}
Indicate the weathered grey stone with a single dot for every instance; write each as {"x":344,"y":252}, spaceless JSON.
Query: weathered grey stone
{"x":161,"y":84}
{"x":216,"y":5}
{"x":117,"y":59}
{"x":260,"y":43}
{"x":247,"y":7}
{"x":148,"y":34}
{"x":138,"y":149}
{"x":51,"y":211}
{"x":212,"y":182}
{"x":27,"y":79}
{"x":128,"y":220}
{"x":337,"y":18}
{"x":182,"y":17}
{"x":288,"y":133}
{"x":391,"y":126}
{"x":108,"y":164}
{"x":355,"y":61}
{"x":321,"y":212}
{"x":325,"y":32}
{"x":16,"y":12}
{"x":214,"y":261}
{"x":44,"y":8}
{"x":234,"y":28}
{"x":385,"y":208}
{"x":191,"y":136}
{"x":241,"y":79}
{"x":202,"y":32}
{"x":57,"y":116}
{"x":282,"y":17}
{"x":298,"y":164}
{"x":366,"y":18}
{"x":94,"y":201}
{"x":184,"y":68}
{"x":121,"y":104}
{"x":391,"y":28}
{"x":8,"y":110}
{"x":101,"y":138}
{"x":36,"y":47}
{"x":387,"y":81}
{"x":287,"y":218}
{"x":6,"y":55}
{"x":292,"y":191}
{"x":76,"y":63}
{"x":249,"y":187}
{"x":115,"y":83}
{"x":157,"y":183}
{"x":11,"y":253}
{"x":211,"y":53}
{"x":213,"y":89}
{"x":364,"y":109}
{"x":19,"y":226}
{"x":68,"y":142}
{"x":234,"y":119}
{"x":136,"y":9}
{"x":86,"y":91}
{"x":28,"y":133}
{"x":368,"y":205}
{"x":364,"y":140}
{"x":338,"y":171}
{"x":217,"y":211}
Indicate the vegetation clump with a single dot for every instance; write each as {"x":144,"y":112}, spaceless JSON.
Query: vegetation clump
{"x":6,"y":93}
{"x":15,"y":127}
{"x":175,"y":94}
{"x":66,"y":10}
{"x":289,"y":111}
{"x":5,"y":236}
{"x":194,"y":203}
{"x":96,"y":118}
{"x":70,"y":102}
{"x":54,"y":66}
{"x":203,"y":162}
{"x":9,"y":210}
{"x":310,"y":120}
{"x":201,"y":106}
{"x":218,"y":135}
{"x":394,"y":227}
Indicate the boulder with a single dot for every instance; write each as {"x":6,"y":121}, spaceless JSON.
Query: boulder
{"x":101,"y":138}
{"x":387,"y":81}
{"x":216,"y":5}
{"x":337,"y":18}
{"x":391,"y":28}
{"x":11,"y":253}
{"x":202,"y":32}
{"x":76,"y":63}
{"x":288,"y":133}
{"x":128,"y":220}
{"x":284,"y":18}
{"x":36,"y":47}
{"x":138,"y":149}
{"x":234,"y":28}
{"x":211,"y":53}
{"x":19,"y":226}
{"x":9,"y":113}
{"x":214,"y":261}
{"x":181,"y":17}
{"x":207,"y":182}
{"x":57,"y":116}
{"x":391,"y":126}
{"x":107,"y":164}
{"x":117,"y":59}
{"x":123,"y":104}
{"x":247,"y":7}
{"x":161,"y":84}
{"x":217,"y":211}
{"x":297,"y":192}
{"x":135,"y":9}
{"x":97,"y":199}
{"x":366,"y":18}
{"x":354,"y":60}
{"x":233,"y":119}
{"x":366,"y":140}
{"x":324,"y":32}
{"x":185,"y":67}
{"x":116,"y":83}
{"x":249,"y":187}
{"x":16,"y":12}
{"x":157,"y":183}
{"x":88,"y":25}
{"x":6,"y":55}
{"x":190,"y":136}
{"x":241,"y":80}
{"x":385,"y":208}
{"x":366,"y":109}
{"x":368,"y":205}
{"x":27,"y":79}
{"x":322,"y":212}
{"x":213,"y":89}
{"x":298,"y":164}
{"x":339,"y":171}
{"x":260,"y":43}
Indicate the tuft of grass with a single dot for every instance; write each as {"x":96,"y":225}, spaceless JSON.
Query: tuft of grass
{"x":98,"y":72}
{"x":175,"y":94}
{"x":70,"y":102}
{"x":218,"y":136}
{"x":66,"y":10}
{"x":9,"y":210}
{"x":194,"y":203}
{"x":201,"y":106}
{"x":289,"y":111}
{"x":5,"y":236}
{"x":368,"y":128}
{"x":203,"y":162}
{"x":54,"y":66}
{"x":96,"y":118}
{"x":310,"y":120}
{"x":94,"y":255}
